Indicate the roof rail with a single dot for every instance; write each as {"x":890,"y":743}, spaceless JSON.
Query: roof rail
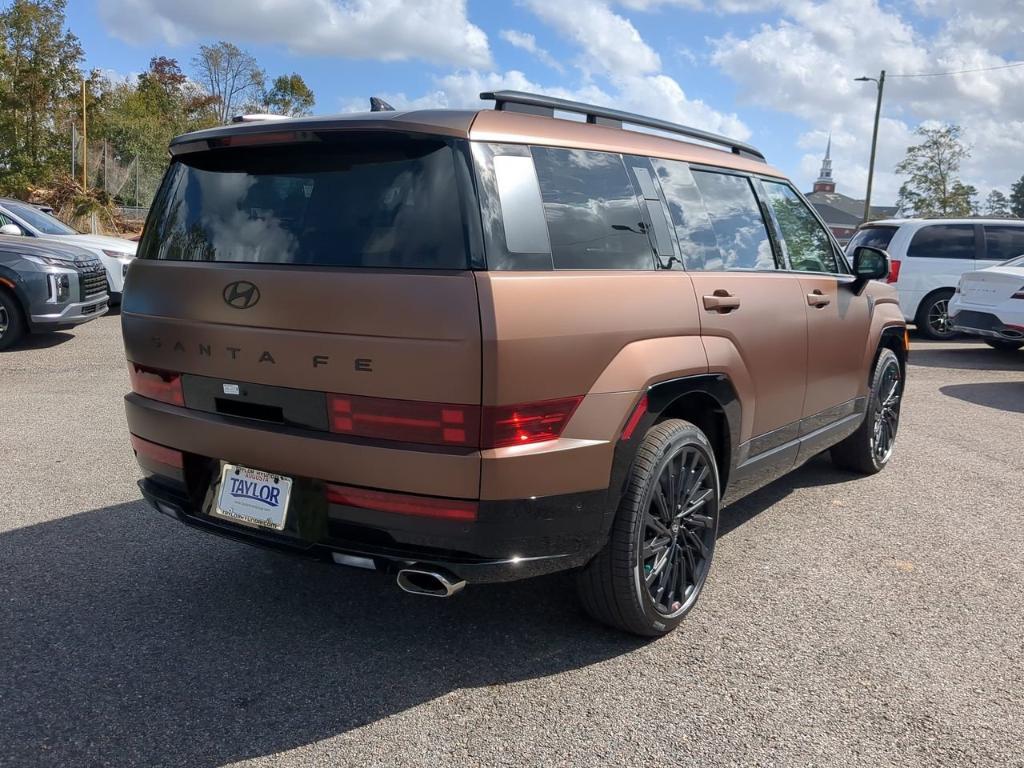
{"x":538,"y":104}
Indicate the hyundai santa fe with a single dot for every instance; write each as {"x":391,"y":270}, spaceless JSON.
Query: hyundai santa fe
{"x":463,"y":347}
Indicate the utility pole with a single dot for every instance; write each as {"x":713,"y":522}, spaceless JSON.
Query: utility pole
{"x":85,"y":144}
{"x":74,"y":148}
{"x":137,"y":182}
{"x":880,"y":82}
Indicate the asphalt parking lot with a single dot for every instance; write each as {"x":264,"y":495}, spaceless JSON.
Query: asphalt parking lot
{"x":848,"y":621}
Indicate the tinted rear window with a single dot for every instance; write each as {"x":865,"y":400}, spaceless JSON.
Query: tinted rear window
{"x":876,"y":237}
{"x":593,"y":216}
{"x":384,"y":202}
{"x":1003,"y":241}
{"x":943,"y":241}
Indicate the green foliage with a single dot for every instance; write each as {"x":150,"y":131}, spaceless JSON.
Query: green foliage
{"x":39,"y":81}
{"x":932,"y":167}
{"x":1017,"y":198}
{"x":997,"y":204}
{"x":289,"y":95}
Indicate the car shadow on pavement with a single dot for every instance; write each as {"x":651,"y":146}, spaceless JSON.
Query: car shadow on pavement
{"x":1004,"y":395}
{"x":128,"y":639}
{"x":968,"y":358}
{"x":43,"y":341}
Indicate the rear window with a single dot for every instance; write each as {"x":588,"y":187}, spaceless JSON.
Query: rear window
{"x":943,"y":241}
{"x":875,"y":237}
{"x":383,"y":203}
{"x":593,"y":216}
{"x":1003,"y":241}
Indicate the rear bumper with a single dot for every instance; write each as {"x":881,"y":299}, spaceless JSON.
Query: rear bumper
{"x":985,"y":324}
{"x":511,"y":540}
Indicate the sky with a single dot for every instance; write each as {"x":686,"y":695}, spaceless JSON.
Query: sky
{"x":776,"y":73}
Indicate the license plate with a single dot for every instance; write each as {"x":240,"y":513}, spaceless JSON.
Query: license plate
{"x":252,"y":497}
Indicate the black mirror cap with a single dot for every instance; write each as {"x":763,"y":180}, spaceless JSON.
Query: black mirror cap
{"x":870,"y":263}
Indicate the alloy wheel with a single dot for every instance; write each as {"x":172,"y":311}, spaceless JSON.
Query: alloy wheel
{"x":4,"y":320}
{"x":938,"y":318}
{"x":678,"y":532}
{"x":887,"y":413}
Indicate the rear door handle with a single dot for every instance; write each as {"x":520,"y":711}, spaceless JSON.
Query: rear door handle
{"x":817,"y":299}
{"x":722,"y":302}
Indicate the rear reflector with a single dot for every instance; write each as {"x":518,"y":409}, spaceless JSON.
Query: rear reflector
{"x":159,"y":453}
{"x":525,"y":423}
{"x":894,"y":271}
{"x":158,"y":385}
{"x":634,"y":419}
{"x":406,"y":420}
{"x":402,"y":504}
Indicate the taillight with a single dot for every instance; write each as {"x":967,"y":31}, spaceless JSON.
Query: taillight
{"x":405,"y":420}
{"x":156,"y":384}
{"x":1018,"y":295}
{"x":158,"y":453}
{"x":526,"y":423}
{"x":894,"y":271}
{"x":402,"y":504}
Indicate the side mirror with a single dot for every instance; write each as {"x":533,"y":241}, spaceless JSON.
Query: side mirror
{"x":11,"y":229}
{"x":869,"y":264}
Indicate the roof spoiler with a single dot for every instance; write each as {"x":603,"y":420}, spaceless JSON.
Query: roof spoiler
{"x":538,"y":104}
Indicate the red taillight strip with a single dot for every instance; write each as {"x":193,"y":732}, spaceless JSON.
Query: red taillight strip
{"x":158,"y":453}
{"x":164,"y":386}
{"x":634,"y":419}
{"x":402,"y":504}
{"x":525,"y":423}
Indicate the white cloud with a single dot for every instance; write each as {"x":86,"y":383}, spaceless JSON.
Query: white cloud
{"x":608,"y":42}
{"x":805,"y":63}
{"x":386,"y":30}
{"x":527,"y":42}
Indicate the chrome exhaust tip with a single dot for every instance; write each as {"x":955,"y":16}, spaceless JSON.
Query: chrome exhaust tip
{"x":417,"y":581}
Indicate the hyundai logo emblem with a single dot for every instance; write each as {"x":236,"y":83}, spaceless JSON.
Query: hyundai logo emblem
{"x":241,"y":294}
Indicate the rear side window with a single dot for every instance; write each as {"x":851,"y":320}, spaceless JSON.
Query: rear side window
{"x":694,"y":233}
{"x":373,"y":202}
{"x":737,"y":221}
{"x":943,"y":241}
{"x":876,"y":237}
{"x":1003,"y":241}
{"x":593,"y":217}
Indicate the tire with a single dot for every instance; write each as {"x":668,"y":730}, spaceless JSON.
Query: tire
{"x":1003,"y":345}
{"x":864,"y":451}
{"x":12,"y":323}
{"x":933,"y":316}
{"x":650,"y":595}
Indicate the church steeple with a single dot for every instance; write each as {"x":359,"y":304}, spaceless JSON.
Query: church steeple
{"x":825,"y":182}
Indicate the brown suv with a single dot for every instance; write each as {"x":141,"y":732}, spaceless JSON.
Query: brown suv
{"x":473,"y":346}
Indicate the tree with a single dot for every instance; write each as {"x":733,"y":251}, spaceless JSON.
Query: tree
{"x":289,"y":95}
{"x":1017,"y":198}
{"x":932,"y":187}
{"x":230,"y":75}
{"x":39,"y":80}
{"x":997,"y":204}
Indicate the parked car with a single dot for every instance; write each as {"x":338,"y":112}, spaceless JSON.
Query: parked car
{"x":928,"y":256}
{"x":990,"y":303}
{"x":47,"y":286}
{"x":477,"y":346}
{"x":115,"y":253}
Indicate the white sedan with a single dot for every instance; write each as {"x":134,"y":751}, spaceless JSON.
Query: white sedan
{"x":990,"y":303}
{"x":18,"y":218}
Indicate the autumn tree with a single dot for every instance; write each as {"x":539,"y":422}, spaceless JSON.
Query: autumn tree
{"x":932,"y":187}
{"x":288,"y":95}
{"x":39,"y":80}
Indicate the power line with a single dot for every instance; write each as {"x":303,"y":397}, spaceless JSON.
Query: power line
{"x":964,"y":71}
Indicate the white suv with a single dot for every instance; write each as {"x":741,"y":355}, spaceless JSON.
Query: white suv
{"x":929,"y":255}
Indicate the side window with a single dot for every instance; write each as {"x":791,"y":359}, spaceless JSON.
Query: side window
{"x":698,"y":245}
{"x":943,"y":241}
{"x":594,"y":219}
{"x":737,"y":221}
{"x":805,"y":240}
{"x":1003,"y":242}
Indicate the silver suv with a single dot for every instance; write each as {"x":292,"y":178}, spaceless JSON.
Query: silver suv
{"x":47,"y":287}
